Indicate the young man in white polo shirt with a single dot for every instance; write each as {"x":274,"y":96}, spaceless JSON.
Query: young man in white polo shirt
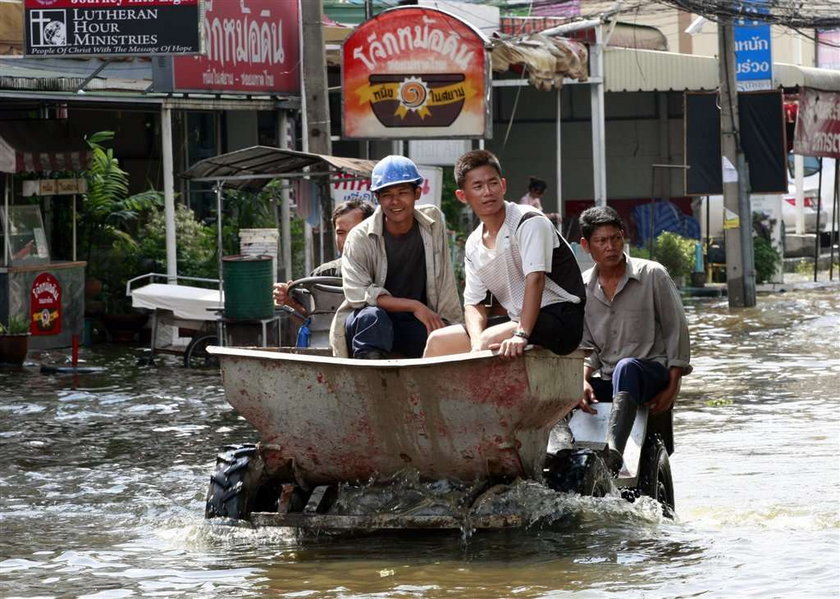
{"x":518,"y":256}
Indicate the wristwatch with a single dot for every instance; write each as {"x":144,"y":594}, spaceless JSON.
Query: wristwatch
{"x":521,"y":333}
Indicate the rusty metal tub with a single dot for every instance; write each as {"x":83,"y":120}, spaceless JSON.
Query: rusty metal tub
{"x":326,"y":420}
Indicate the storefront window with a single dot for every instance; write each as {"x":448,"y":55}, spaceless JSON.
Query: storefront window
{"x":27,"y":237}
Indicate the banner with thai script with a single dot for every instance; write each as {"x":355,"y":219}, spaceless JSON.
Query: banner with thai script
{"x":252,"y":46}
{"x":415,"y":72}
{"x":72,"y":28}
{"x":45,"y":305}
{"x":347,"y":187}
{"x":818,"y":124}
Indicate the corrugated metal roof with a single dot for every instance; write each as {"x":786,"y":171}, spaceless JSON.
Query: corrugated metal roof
{"x":789,"y":75}
{"x":255,"y":166}
{"x":646,"y":70}
{"x":22,"y":74}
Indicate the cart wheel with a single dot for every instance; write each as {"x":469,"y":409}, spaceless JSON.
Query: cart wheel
{"x":580,"y":471}
{"x":239,"y":485}
{"x":655,"y":475}
{"x":196,"y":355}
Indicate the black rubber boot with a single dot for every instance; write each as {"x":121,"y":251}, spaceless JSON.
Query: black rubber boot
{"x":622,"y":416}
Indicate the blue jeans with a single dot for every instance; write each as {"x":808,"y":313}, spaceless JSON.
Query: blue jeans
{"x":373,"y":329}
{"x":642,"y":379}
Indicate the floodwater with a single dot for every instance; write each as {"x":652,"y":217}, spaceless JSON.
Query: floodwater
{"x":102,"y":482}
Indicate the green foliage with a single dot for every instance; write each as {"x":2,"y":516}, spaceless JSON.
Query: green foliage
{"x":719,"y":403}
{"x":196,"y":251}
{"x":128,"y":258}
{"x":248,"y":210}
{"x":640,"y":252}
{"x":804,"y":267}
{"x":15,"y":326}
{"x":107,"y":210}
{"x":766,"y":259}
{"x":675,"y":253}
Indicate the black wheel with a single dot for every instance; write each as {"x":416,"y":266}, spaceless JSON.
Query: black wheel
{"x":655,"y":475}
{"x":239,"y":485}
{"x":580,"y":471}
{"x":196,"y":355}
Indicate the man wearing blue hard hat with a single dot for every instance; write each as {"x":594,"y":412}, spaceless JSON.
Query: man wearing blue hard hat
{"x":399,"y":285}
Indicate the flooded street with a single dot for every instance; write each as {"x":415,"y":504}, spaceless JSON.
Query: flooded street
{"x":102,"y":481}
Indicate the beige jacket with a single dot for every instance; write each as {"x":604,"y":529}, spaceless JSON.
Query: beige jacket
{"x":364,"y":267}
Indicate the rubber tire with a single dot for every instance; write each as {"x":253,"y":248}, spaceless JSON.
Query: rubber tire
{"x":196,"y":355}
{"x":239,"y":485}
{"x":580,"y":471}
{"x":655,"y":478}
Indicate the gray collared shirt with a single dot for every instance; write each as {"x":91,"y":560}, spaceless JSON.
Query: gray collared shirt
{"x":645,"y":319}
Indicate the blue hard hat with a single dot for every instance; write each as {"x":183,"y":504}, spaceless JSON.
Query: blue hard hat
{"x":392,"y":170}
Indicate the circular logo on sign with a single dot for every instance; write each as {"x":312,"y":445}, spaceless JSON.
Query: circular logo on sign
{"x":55,"y":33}
{"x":414,"y":93}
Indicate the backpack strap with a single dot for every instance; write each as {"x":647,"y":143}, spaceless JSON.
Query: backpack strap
{"x":565,"y":271}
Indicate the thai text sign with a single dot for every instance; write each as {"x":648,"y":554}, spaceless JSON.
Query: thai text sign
{"x":415,"y":72}
{"x":753,"y":55}
{"x":818,"y":124}
{"x":346,"y":188}
{"x":111,"y":27}
{"x":251,"y":47}
{"x":45,"y":305}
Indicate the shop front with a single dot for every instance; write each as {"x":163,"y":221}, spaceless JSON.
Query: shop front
{"x":39,"y":287}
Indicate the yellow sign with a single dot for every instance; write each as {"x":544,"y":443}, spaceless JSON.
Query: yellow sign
{"x":414,"y":95}
{"x":730,"y":219}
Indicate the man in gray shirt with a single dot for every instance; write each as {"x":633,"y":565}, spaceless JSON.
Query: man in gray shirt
{"x":635,"y":324}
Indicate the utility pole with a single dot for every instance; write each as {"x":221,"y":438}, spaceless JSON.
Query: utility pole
{"x":316,"y":101}
{"x":740,"y":269}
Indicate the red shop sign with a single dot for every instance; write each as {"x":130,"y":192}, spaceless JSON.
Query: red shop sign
{"x":818,"y":124}
{"x":251,"y":47}
{"x":416,"y":72}
{"x":45,"y":305}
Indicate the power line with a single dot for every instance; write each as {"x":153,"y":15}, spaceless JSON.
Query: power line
{"x":796,"y":14}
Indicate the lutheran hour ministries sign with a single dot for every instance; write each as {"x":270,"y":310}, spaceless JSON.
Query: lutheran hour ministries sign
{"x":111,"y":27}
{"x":416,"y":72}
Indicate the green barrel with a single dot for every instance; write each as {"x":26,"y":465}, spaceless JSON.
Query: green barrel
{"x":247,"y":283}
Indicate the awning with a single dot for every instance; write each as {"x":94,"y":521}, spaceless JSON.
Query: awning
{"x":646,"y":71}
{"x":255,"y":166}
{"x":41,"y":146}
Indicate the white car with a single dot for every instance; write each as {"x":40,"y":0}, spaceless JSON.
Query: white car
{"x":811,"y":187}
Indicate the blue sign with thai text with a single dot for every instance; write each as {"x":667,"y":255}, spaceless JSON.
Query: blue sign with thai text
{"x":753,"y":55}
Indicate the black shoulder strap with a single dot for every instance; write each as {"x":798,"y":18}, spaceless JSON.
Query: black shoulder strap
{"x":565,"y":270}
{"x":527,"y":215}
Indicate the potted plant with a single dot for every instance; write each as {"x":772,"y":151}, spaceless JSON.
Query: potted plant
{"x":14,"y":341}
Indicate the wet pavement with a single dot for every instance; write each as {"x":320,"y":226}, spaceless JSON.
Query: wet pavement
{"x":102,"y":479}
